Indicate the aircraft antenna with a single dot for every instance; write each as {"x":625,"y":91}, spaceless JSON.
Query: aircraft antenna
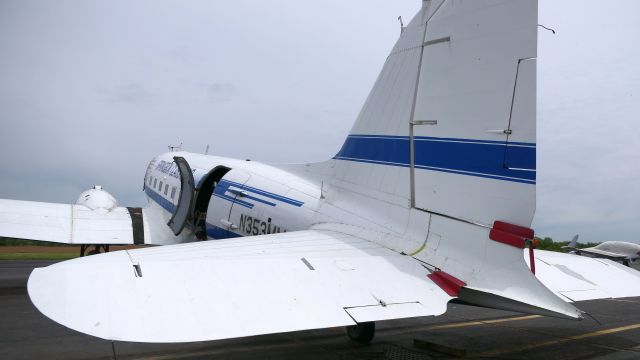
{"x":173,"y":148}
{"x":206,"y":151}
{"x":401,"y":24}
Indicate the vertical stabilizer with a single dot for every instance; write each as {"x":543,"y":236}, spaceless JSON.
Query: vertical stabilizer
{"x":449,"y":130}
{"x":571,"y":247}
{"x":574,"y":242}
{"x":450,"y":122}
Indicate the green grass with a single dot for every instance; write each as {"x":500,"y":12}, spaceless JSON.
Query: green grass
{"x":37,"y":256}
{"x":548,"y":244}
{"x":5,"y":241}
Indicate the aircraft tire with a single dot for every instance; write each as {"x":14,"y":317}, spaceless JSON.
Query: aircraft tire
{"x":362,"y":332}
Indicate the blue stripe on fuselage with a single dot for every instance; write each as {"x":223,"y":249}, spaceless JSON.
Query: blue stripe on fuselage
{"x":482,"y":158}
{"x":224,"y":186}
{"x":219,"y":233}
{"x":160,"y":200}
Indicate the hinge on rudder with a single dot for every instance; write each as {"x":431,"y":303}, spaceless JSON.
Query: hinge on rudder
{"x":515,"y":235}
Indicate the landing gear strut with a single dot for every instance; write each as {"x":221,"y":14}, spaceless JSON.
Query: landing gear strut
{"x":362,"y":332}
{"x":86,"y":250}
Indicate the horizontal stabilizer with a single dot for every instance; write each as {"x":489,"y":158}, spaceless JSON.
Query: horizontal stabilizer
{"x":490,"y":262}
{"x":577,"y":278}
{"x":233,"y":288}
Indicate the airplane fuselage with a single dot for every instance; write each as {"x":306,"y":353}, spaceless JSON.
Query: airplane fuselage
{"x":242,"y":200}
{"x":235,"y":198}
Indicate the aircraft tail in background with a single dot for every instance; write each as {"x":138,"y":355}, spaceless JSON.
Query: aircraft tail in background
{"x":574,"y":242}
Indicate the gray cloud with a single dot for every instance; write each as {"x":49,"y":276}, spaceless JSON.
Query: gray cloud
{"x":220,"y":92}
{"x":130,"y":93}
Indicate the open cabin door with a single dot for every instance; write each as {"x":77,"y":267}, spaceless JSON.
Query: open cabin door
{"x":186,"y":198}
{"x":227,"y":194}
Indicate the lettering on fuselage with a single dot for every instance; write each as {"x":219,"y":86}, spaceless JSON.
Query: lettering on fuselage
{"x":169,"y":168}
{"x":254,"y":226}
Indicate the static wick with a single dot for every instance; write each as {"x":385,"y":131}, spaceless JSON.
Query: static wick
{"x":401,"y":24}
{"x":544,"y":27}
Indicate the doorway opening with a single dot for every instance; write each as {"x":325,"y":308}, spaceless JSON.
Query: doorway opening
{"x":204,"y":193}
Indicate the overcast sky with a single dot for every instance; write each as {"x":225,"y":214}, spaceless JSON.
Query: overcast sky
{"x":90,"y":91}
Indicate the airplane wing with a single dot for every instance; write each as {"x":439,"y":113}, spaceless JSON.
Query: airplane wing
{"x":233,"y":288}
{"x":70,"y":224}
{"x":602,"y":254}
{"x":577,"y":278}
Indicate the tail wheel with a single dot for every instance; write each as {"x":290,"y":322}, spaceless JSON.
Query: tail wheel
{"x":362,"y":332}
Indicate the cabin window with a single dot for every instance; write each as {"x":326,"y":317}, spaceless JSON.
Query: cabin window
{"x":155,"y":182}
{"x":160,"y":187}
{"x":173,"y":192}
{"x":166,"y":188}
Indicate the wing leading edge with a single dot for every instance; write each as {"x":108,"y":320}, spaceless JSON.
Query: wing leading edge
{"x":602,"y":253}
{"x":235,"y":288}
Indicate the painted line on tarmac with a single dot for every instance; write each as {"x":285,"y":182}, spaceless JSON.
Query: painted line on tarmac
{"x":483,"y":322}
{"x":520,"y":348}
{"x":410,"y":329}
{"x":625,"y":300}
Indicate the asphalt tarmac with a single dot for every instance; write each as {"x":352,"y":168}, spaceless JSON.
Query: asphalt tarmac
{"x":463,"y":332}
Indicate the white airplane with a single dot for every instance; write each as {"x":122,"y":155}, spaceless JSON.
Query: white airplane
{"x":622,"y":251}
{"x":430,"y":199}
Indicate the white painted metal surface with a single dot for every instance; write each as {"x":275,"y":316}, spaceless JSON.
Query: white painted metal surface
{"x":234,"y":288}
{"x":64,"y":223}
{"x":97,"y":199}
{"x":614,"y":250}
{"x":467,"y":82}
{"x":466,"y":252}
{"x":578,"y":278}
{"x":222,"y":203}
{"x":480,"y":80}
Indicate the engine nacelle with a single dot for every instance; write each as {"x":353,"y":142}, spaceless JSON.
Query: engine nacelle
{"x":97,"y":199}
